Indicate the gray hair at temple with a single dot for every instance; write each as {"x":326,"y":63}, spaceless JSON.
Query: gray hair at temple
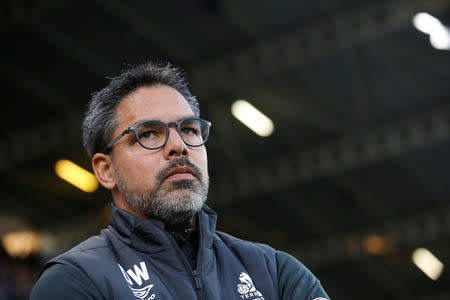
{"x":100,"y":119}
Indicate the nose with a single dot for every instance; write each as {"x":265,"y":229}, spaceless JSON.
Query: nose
{"x":175,"y":146}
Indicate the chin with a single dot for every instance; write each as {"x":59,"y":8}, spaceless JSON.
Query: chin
{"x":183,"y":184}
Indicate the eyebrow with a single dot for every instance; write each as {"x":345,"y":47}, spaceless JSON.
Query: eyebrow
{"x":178,"y":120}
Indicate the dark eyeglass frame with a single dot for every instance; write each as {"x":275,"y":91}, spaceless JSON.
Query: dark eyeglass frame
{"x":133,"y":128}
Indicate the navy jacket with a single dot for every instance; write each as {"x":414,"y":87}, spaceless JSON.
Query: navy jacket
{"x":135,"y":259}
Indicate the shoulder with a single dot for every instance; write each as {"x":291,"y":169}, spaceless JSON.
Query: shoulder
{"x":232,"y":241}
{"x":249,"y":253}
{"x":93,"y":250}
{"x":296,"y":281}
{"x":94,"y":244}
{"x":288,"y":263}
{"x":64,"y":282}
{"x":63,"y":275}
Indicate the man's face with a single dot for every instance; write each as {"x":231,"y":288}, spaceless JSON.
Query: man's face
{"x":169,"y":183}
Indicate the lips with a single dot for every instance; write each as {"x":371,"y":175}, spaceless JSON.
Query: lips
{"x":181,"y":173}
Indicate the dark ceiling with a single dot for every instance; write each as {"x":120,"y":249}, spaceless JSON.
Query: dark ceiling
{"x":359,"y":99}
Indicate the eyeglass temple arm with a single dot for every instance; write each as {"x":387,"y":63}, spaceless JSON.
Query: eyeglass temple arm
{"x":109,"y":146}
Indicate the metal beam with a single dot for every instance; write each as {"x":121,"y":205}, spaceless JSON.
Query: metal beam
{"x":302,"y":107}
{"x":307,"y":44}
{"x":49,"y":137}
{"x":401,"y":234}
{"x":33,"y":86}
{"x":335,"y":156}
{"x":380,"y":276}
{"x":366,"y":199}
{"x":72,"y":48}
{"x":441,"y":295}
{"x":143,"y":26}
{"x":21,"y":11}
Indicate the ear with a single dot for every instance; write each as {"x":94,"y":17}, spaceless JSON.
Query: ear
{"x":103,"y":168}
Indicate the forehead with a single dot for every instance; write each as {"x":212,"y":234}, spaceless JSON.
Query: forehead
{"x":158,"y":102}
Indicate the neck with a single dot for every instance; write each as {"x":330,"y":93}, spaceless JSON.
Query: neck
{"x":190,"y":224}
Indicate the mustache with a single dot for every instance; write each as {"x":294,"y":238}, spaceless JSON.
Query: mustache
{"x":178,"y":162}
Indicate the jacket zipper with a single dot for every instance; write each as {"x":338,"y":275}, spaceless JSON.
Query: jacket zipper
{"x":196,"y":277}
{"x":197,"y":280}
{"x":199,"y":259}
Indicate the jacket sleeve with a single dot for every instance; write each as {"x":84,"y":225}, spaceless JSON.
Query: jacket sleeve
{"x":64,"y":282}
{"x":295,"y":281}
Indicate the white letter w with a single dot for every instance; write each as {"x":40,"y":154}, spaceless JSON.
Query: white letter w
{"x":142,"y":272}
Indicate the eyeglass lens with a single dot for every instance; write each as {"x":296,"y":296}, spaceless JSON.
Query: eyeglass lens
{"x":152,"y":134}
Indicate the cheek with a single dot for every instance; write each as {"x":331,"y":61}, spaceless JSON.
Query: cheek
{"x":141,"y":171}
{"x":202,"y":162}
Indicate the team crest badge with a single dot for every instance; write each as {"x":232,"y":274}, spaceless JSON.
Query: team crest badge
{"x":143,"y":293}
{"x":247,"y":289}
{"x":138,"y":277}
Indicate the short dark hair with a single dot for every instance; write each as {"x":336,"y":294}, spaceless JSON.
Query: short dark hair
{"x":100,"y":118}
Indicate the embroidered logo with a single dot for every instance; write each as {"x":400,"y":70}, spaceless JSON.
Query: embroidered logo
{"x":247,"y":289}
{"x":139,"y":276}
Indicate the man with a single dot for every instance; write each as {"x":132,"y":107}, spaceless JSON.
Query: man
{"x":147,"y":145}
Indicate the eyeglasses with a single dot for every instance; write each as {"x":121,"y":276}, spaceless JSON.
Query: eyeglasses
{"x":153,"y":134}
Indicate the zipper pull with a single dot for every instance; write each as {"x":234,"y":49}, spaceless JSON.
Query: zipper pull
{"x":198,"y":282}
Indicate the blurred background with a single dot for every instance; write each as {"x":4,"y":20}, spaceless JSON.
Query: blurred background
{"x":347,"y":169}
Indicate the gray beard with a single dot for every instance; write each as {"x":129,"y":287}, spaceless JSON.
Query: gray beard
{"x":174,"y":203}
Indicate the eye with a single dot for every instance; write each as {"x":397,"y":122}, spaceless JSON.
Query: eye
{"x":147,"y":134}
{"x":189,"y":130}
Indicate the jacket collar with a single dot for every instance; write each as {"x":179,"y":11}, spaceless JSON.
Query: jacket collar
{"x":139,"y":234}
